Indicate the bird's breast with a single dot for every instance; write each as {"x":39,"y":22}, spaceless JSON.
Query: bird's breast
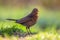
{"x":33,"y":20}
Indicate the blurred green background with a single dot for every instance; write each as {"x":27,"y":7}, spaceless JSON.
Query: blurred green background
{"x":48,"y":15}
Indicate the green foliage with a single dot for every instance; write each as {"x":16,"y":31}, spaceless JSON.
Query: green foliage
{"x":10,"y":31}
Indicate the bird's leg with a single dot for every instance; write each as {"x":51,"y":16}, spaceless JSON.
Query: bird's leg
{"x":27,"y":30}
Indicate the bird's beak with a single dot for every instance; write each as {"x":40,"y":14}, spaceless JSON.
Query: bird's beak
{"x":38,"y":11}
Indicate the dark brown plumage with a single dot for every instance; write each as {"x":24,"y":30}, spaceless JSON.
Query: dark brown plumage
{"x":29,"y":20}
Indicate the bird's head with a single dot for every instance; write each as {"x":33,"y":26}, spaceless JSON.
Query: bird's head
{"x":35,"y":10}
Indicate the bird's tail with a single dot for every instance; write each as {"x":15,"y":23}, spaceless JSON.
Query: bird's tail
{"x":12,"y":19}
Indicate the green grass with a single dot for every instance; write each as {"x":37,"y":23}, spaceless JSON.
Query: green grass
{"x":39,"y":36}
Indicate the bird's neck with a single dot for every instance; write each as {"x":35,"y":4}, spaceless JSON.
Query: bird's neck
{"x":34,"y":13}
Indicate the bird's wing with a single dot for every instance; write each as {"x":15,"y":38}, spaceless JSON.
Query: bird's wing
{"x":23,"y":20}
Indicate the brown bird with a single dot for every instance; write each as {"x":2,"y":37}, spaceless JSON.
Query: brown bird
{"x":29,"y":20}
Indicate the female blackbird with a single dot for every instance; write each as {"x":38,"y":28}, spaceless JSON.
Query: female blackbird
{"x":29,"y":20}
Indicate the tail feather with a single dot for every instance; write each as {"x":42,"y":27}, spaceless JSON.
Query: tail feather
{"x":12,"y":19}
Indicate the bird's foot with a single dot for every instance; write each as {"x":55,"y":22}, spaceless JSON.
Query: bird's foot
{"x":29,"y":33}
